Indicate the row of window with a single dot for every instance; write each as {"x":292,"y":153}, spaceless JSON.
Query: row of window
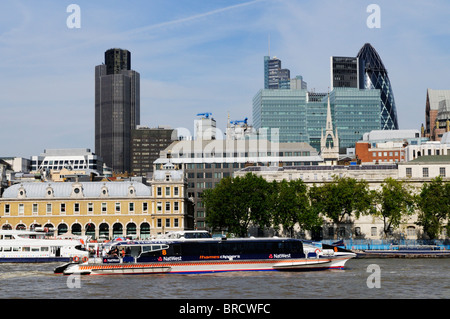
{"x":380,"y":154}
{"x":237,"y":154}
{"x":167,"y":192}
{"x":49,"y":207}
{"x":426,"y":172}
{"x":374,"y":231}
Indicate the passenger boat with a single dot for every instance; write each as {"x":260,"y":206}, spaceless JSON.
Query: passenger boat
{"x":192,"y":253}
{"x":35,"y":246}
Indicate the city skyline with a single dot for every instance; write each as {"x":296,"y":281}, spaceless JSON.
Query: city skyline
{"x":197,"y":57}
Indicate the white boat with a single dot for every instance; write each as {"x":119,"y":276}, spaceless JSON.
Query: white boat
{"x":188,"y":254}
{"x":36,"y":246}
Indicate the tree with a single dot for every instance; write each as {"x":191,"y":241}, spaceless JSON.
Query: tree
{"x":434,"y":206}
{"x":235,"y":203}
{"x":290,"y":206}
{"x":344,"y":196}
{"x":395,"y":200}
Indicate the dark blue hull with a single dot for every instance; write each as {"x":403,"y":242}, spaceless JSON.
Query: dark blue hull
{"x":33,"y":259}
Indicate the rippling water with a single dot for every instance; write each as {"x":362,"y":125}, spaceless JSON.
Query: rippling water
{"x":399,"y":278}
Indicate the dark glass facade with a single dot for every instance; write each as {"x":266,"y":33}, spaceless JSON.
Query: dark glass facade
{"x":344,"y":72}
{"x":373,"y":75}
{"x":117,"y":108}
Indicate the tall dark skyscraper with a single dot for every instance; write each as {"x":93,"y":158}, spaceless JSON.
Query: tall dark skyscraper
{"x":344,"y":72}
{"x":117,"y":108}
{"x":373,"y":75}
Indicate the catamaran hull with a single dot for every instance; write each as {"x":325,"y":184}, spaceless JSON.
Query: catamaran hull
{"x":208,"y":266}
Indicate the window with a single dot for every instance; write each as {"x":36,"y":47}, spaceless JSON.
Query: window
{"x":104,"y":208}
{"x":76,"y":208}
{"x":176,"y":223}
{"x":175,"y":206}
{"x":131,"y":208}
{"x":425,"y":172}
{"x":175,"y":191}
{"x":373,"y":231}
{"x":167,"y":222}
{"x":144,"y":207}
{"x":35,"y":209}
{"x":408,"y":172}
{"x":442,"y":171}
{"x":21,"y":209}
{"x":159,"y":223}
{"x":167,"y":206}
{"x":90,"y":208}
{"x":117,"y":208}
{"x":49,"y":209}
{"x":159,"y":191}
{"x":7,"y":209}
{"x":158,"y":206}
{"x":167,"y":191}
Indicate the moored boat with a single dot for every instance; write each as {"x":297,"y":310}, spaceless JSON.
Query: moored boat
{"x":35,"y":246}
{"x":191,"y":254}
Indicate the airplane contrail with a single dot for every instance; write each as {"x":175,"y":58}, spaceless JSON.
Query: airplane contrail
{"x":191,"y":18}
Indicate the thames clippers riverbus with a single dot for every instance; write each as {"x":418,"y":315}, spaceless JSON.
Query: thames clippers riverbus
{"x":184,"y":254}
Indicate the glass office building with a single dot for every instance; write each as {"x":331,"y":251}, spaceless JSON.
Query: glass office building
{"x":300,"y":115}
{"x":373,"y":75}
{"x":282,"y":109}
{"x":354,"y":113}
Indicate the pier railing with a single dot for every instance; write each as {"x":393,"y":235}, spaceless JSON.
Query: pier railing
{"x":392,"y":244}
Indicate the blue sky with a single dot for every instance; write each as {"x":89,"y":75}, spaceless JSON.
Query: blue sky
{"x":198,"y":56}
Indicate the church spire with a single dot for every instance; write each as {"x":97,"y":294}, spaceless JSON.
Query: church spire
{"x":329,"y":153}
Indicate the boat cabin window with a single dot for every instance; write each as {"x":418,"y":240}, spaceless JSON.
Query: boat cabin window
{"x":153,"y":250}
{"x":25,"y":248}
{"x":44,"y":248}
{"x":7,"y":249}
{"x":35,"y":249}
{"x":7,"y":237}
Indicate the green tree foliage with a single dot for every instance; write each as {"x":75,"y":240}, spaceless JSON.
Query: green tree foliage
{"x":434,"y":206}
{"x":290,"y":206}
{"x":342,"y":197}
{"x":236,"y":202}
{"x":394,"y":200}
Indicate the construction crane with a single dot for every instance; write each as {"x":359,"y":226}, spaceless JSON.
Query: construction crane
{"x":205,"y":115}
{"x":237,"y":122}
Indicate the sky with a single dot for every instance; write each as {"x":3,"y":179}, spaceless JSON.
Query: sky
{"x":198,"y":56}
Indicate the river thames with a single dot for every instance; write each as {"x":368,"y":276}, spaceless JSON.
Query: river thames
{"x":392,"y":278}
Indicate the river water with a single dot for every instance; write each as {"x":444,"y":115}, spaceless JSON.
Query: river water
{"x":389,"y":278}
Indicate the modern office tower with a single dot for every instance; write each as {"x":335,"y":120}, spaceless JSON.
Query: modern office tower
{"x":355,"y":112}
{"x":284,"y":110}
{"x":373,"y":75}
{"x":117,"y":108}
{"x":274,"y":76}
{"x":297,"y":83}
{"x":146,"y":143}
{"x":300,"y":116}
{"x":437,"y":114}
{"x":344,"y":72}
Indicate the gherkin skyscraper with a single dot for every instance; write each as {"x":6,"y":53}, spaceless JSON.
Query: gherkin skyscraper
{"x":373,"y":75}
